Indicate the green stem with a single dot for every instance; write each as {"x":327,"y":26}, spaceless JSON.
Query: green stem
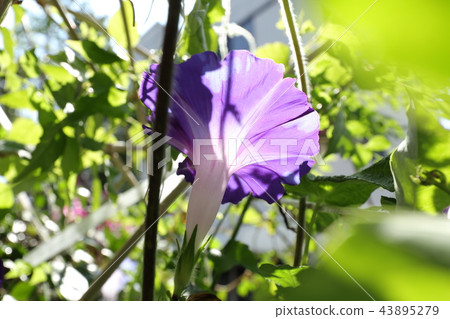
{"x":308,"y":238}
{"x":241,"y":219}
{"x":235,"y":232}
{"x":443,"y":188}
{"x":113,"y":264}
{"x":300,"y":232}
{"x":67,"y":19}
{"x":439,"y":180}
{"x":127,"y":34}
{"x":225,"y":213}
{"x":295,"y":42}
{"x":160,"y":126}
{"x":140,"y":110}
{"x":120,"y":255}
{"x":4,"y":6}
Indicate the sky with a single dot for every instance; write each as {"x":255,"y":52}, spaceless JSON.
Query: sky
{"x":144,"y":20}
{"x":148,"y":12}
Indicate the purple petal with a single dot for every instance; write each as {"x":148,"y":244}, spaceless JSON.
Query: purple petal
{"x":446,"y":212}
{"x":242,"y":99}
{"x":192,"y":101}
{"x":264,"y":182}
{"x":187,"y":169}
{"x":258,"y":180}
{"x":301,"y":142}
{"x":214,"y":100}
{"x":236,"y":190}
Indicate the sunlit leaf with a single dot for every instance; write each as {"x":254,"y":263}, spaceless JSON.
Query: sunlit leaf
{"x":57,"y":73}
{"x":29,"y":63}
{"x":198,"y":35}
{"x":39,"y":276}
{"x":403,"y":257}
{"x":396,"y":39}
{"x":427,"y":145}
{"x":346,"y":190}
{"x":277,"y":51}
{"x":25,"y":131}
{"x":19,"y":12}
{"x":116,"y":27}
{"x":92,"y":52}
{"x":8,"y":42}
{"x":282,"y":275}
{"x":6,"y":196}
{"x":45,"y":154}
{"x":18,"y":99}
{"x":71,"y":160}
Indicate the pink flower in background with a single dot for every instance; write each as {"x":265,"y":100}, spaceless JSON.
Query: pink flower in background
{"x":75,"y":210}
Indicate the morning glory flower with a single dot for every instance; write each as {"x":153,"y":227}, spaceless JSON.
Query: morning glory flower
{"x":243,"y":127}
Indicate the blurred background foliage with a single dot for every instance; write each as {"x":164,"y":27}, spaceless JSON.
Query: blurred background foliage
{"x":374,"y":209}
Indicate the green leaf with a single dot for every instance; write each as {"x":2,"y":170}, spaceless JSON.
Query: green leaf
{"x":277,"y":51}
{"x":71,"y":160}
{"x":89,"y":105}
{"x":91,"y":144}
{"x":62,"y":94}
{"x":6,"y":196}
{"x":198,"y":34}
{"x":408,"y":252}
{"x":7,"y":147}
{"x":25,"y":131}
{"x":116,"y":27}
{"x":8,"y":42}
{"x":400,"y":257}
{"x":282,"y":275}
{"x":234,"y":253}
{"x":377,"y":143}
{"x":57,"y":73}
{"x":361,"y":156}
{"x":99,"y":55}
{"x":22,"y":291}
{"x":46,"y":153}
{"x":19,"y":12}
{"x":92,"y":52}
{"x":20,"y":268}
{"x":320,"y":285}
{"x":427,"y":145}
{"x":38,"y":276}
{"x":19,"y":99}
{"x":29,"y":64}
{"x":186,"y":262}
{"x":395,"y":41}
{"x":378,"y":174}
{"x":338,"y":132}
{"x":101,"y":82}
{"x":346,"y":190}
{"x":96,"y":189}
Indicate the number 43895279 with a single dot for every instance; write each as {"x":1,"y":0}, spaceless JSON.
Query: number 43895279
{"x":409,"y":310}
